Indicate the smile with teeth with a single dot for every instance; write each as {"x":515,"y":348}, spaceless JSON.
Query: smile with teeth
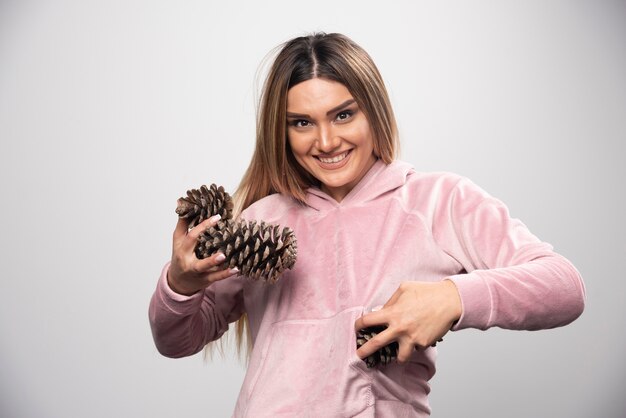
{"x":335,"y":159}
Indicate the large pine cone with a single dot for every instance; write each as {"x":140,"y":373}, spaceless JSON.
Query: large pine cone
{"x":201,"y":204}
{"x":258,"y":250}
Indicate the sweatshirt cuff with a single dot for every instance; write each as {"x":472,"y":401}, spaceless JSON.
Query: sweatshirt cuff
{"x":175,"y":302}
{"x":476,"y":301}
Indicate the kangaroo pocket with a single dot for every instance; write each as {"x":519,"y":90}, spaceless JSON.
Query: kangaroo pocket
{"x":310,"y":369}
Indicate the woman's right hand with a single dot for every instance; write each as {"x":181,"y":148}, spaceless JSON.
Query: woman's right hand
{"x":188,"y":274}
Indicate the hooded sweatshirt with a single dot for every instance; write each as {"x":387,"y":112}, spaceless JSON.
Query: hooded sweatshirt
{"x":395,"y":225}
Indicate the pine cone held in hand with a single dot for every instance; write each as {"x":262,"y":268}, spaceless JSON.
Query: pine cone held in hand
{"x":202,"y":203}
{"x":385,"y":355}
{"x":258,"y":250}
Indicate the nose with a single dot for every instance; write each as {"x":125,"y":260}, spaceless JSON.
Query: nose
{"x":327,"y":141}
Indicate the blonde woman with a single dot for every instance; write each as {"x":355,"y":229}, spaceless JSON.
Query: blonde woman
{"x":379,"y":243}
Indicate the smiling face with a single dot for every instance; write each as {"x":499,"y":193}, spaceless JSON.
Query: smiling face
{"x":329,"y":135}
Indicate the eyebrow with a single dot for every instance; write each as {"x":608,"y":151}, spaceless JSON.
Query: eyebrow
{"x":333,"y":110}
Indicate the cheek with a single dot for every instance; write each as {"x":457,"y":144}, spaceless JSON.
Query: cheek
{"x":365,"y":138}
{"x":358,"y":132}
{"x":297,"y":152}
{"x":299,"y":146}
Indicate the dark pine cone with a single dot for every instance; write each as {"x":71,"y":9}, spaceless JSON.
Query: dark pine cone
{"x":258,"y":250}
{"x":383,"y":356}
{"x":386,"y":354}
{"x":201,"y":204}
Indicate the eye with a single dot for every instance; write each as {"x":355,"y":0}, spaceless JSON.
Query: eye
{"x":299,"y":123}
{"x":344,"y":115}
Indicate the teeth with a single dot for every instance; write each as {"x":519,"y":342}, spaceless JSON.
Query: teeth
{"x":334,"y":159}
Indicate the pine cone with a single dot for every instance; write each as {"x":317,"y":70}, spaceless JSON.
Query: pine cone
{"x":383,"y":356}
{"x":386,"y":354}
{"x":258,"y":250}
{"x":203,"y":203}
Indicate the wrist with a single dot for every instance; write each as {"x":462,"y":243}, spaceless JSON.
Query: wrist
{"x":176,"y":287}
{"x":454,"y":298}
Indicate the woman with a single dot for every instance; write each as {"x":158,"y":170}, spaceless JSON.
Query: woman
{"x":378,"y":244}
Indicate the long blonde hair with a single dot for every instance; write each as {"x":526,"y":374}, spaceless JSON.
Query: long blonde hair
{"x":273,"y":169}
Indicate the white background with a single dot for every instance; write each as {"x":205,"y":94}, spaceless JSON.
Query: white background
{"x":110,"y":110}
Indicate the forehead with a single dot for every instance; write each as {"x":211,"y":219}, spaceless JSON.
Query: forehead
{"x":316,"y":95}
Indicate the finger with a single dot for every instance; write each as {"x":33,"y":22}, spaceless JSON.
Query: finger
{"x":203,"y":226}
{"x":375,"y":344}
{"x":196,"y":231}
{"x":371,"y":319}
{"x":209,"y":263}
{"x":222,"y":274}
{"x":405,"y":350}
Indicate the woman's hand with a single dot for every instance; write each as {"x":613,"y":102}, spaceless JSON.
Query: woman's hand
{"x":187,"y":274}
{"x":417,"y":315}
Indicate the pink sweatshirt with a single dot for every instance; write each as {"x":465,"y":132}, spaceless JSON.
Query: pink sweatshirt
{"x":396,"y":225}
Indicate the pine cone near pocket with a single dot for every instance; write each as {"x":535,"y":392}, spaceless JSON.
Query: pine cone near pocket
{"x":202,"y":203}
{"x":258,"y":250}
{"x":383,"y":356}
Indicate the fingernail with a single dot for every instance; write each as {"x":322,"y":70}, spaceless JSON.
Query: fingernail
{"x":220,"y":257}
{"x":234,"y":270}
{"x":215,"y":218}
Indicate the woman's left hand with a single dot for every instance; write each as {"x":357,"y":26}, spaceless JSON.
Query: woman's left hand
{"x":417,"y":315}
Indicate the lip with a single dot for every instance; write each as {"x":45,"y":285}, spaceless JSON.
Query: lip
{"x":337,"y":165}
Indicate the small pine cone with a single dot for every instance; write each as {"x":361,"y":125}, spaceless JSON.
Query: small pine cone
{"x":258,"y":250}
{"x":203,"y":203}
{"x":386,"y":354}
{"x":383,"y":356}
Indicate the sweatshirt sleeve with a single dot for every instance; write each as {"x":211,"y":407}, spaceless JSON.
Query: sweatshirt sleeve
{"x":512,"y":280}
{"x":182,"y":325}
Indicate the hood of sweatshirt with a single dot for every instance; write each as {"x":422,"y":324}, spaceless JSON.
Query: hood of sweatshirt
{"x":380,"y":179}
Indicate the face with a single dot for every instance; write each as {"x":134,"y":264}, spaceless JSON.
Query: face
{"x":329,"y":135}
